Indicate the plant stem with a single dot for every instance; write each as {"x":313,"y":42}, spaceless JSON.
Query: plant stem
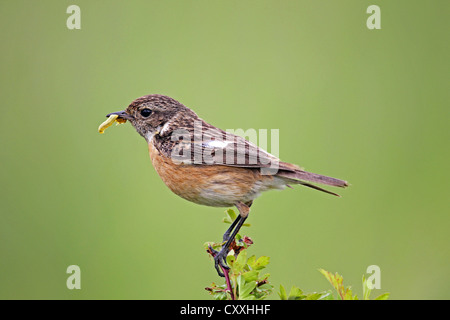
{"x":227,"y":280}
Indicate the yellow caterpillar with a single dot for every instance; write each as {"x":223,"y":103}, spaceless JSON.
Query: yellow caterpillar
{"x":111,"y":119}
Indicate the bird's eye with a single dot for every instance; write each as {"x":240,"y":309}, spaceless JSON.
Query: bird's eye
{"x":146,"y":112}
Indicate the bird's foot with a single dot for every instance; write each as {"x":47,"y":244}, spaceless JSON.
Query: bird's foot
{"x":220,"y":260}
{"x":226,"y":236}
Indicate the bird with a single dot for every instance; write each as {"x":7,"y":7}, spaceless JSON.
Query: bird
{"x":208,"y":166}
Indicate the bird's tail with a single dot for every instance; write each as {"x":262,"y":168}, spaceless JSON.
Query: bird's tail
{"x":298,"y":176}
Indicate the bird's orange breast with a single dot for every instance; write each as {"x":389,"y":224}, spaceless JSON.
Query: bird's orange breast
{"x":211,"y":185}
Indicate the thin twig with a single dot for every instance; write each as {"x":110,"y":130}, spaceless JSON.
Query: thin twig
{"x":227,"y":280}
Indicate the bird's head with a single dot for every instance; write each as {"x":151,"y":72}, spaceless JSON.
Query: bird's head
{"x":149,"y":114}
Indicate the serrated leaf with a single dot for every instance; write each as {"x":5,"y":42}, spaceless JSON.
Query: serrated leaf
{"x":251,"y":260}
{"x":260,"y":263}
{"x":295,"y":294}
{"x":347,"y":294}
{"x":337,"y":281}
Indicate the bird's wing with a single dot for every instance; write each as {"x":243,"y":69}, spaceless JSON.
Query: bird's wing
{"x":217,"y":147}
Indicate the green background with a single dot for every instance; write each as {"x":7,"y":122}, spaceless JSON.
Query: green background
{"x":368,"y":106}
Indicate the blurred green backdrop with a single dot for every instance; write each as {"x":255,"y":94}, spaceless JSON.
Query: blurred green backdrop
{"x":368,"y":106}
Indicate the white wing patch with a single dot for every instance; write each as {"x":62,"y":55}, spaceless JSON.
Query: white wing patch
{"x":216,"y":144}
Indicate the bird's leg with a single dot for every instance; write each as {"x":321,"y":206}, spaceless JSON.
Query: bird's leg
{"x":227,"y":233}
{"x":221,"y":256}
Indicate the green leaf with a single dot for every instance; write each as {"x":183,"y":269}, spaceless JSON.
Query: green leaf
{"x":327,"y":295}
{"x":220,"y":296}
{"x":240,"y":262}
{"x":348,"y":294}
{"x":383,"y":296}
{"x":260,"y":263}
{"x":246,"y":289}
{"x":242,"y":257}
{"x":337,"y":281}
{"x":251,"y":260}
{"x":250,"y":275}
{"x":265,"y":276}
{"x":265,"y":286}
{"x":240,"y":281}
{"x":295,"y":294}
{"x":366,"y":289}
{"x":230,"y":260}
{"x":231,"y":216}
{"x":282,"y":293}
{"x":315,"y":296}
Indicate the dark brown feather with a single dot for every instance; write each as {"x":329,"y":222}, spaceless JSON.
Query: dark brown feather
{"x":312,"y":177}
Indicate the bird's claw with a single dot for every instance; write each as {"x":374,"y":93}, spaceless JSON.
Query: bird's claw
{"x":220,"y":260}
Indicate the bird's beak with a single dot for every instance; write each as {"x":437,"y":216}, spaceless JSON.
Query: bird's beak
{"x":120,"y":114}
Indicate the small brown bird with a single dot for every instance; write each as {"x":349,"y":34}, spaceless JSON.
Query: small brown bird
{"x":209,"y":166}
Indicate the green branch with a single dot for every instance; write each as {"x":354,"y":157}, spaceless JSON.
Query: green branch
{"x":245,"y":280}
